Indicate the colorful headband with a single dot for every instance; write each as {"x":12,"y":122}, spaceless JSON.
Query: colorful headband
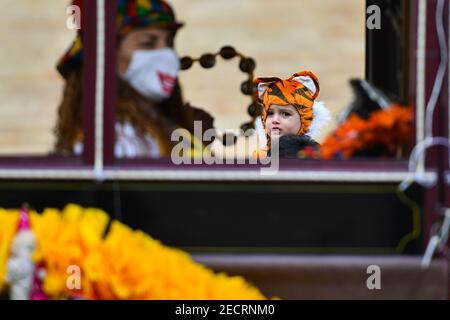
{"x":300,"y":91}
{"x":131,"y":14}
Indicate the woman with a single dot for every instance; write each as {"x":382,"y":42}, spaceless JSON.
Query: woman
{"x":149,"y":105}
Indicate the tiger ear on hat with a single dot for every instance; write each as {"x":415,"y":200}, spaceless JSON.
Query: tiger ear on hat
{"x":309,"y":80}
{"x":262,"y":84}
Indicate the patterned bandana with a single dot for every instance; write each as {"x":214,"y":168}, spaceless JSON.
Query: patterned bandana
{"x":131,"y":14}
{"x":300,"y":91}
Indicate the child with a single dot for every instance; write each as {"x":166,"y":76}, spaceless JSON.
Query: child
{"x":290,"y":113}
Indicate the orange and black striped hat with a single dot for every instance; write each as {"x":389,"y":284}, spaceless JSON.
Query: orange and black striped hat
{"x":300,"y":91}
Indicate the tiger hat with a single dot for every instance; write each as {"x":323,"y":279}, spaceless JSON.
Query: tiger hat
{"x":300,"y":91}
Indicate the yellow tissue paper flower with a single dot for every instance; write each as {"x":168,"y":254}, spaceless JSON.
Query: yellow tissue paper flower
{"x":9,"y":220}
{"x":123,"y":264}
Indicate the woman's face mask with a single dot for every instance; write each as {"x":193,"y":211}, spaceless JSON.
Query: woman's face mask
{"x":153,"y":73}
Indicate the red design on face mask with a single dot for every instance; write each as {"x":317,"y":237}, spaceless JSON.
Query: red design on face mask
{"x":167,"y":82}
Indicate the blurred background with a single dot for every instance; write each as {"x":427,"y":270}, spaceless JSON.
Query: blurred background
{"x":34,"y":36}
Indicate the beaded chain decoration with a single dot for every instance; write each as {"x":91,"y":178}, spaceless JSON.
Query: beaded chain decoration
{"x":247,"y":65}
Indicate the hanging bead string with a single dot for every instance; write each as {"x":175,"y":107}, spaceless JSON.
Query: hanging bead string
{"x":246,"y":65}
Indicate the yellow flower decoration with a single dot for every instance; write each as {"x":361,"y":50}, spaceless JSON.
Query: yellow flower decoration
{"x":65,"y":240}
{"x":9,"y":220}
{"x":124,"y":264}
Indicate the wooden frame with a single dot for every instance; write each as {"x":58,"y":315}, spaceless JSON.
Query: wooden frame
{"x":99,"y":87}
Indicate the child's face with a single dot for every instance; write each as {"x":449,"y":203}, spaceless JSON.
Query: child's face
{"x":282,"y":120}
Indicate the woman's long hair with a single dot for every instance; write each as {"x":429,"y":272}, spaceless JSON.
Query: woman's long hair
{"x":159,"y":120}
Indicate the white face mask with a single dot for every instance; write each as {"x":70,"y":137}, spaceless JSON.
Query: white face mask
{"x":153,"y":73}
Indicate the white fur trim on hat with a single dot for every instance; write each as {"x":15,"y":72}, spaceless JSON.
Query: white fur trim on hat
{"x":259,"y":128}
{"x":262,"y":87}
{"x":308,"y":83}
{"x":321,"y":116}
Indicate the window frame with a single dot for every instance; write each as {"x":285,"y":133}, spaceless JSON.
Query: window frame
{"x":99,"y":97}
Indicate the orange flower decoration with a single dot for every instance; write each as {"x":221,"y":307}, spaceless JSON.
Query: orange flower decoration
{"x":388,"y":129}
